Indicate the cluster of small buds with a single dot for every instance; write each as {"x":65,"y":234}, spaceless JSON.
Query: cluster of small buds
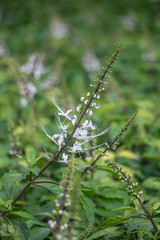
{"x":52,"y":223}
{"x":135,"y":184}
{"x":57,"y":203}
{"x":140,"y":193}
{"x":64,"y":226}
{"x":101,"y":89}
{"x":94,"y":105}
{"x":68,"y":202}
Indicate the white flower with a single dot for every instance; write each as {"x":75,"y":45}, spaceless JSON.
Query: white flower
{"x":27,"y":89}
{"x":76,"y":147}
{"x":23,"y":102}
{"x":82,"y":99}
{"x":60,"y":110}
{"x":90,"y":113}
{"x":97,"y":106}
{"x":64,"y":127}
{"x":65,"y":158}
{"x":59,"y":29}
{"x":60,"y":212}
{"x":34,"y":65}
{"x":61,"y":140}
{"x":90,"y":62}
{"x":51,"y":223}
{"x":98,"y":96}
{"x":88,"y":125}
{"x":66,"y":113}
{"x":65,"y":225}
{"x":74,"y":120}
{"x":88,"y":94}
{"x":79,"y":107}
{"x":80,"y":134}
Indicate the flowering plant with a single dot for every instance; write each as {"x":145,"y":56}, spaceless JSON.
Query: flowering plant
{"x":61,"y":223}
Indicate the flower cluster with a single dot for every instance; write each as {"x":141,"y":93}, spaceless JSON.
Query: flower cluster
{"x":82,"y":133}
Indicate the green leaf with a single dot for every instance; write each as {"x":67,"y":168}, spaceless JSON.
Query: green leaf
{"x":31,"y":155}
{"x":111,"y":232}
{"x":23,"y":203}
{"x":139,"y":224}
{"x":125,"y":208}
{"x":89,"y":207}
{"x":35,"y":170}
{"x":152,"y":183}
{"x":24,"y":214}
{"x":9,"y":179}
{"x":53,"y":188}
{"x":31,"y":219}
{"x":39,"y":233}
{"x":156,"y":206}
{"x":18,"y":229}
{"x":148,"y":234}
{"x":114,"y":221}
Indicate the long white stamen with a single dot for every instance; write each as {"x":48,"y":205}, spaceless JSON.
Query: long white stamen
{"x":48,"y":135}
{"x":85,"y":149}
{"x":61,"y":112}
{"x":99,"y":134}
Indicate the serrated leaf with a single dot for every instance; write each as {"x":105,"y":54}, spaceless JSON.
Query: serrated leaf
{"x":30,"y":156}
{"x":112,"y":232}
{"x":152,"y":183}
{"x":53,"y":188}
{"x":148,"y":234}
{"x":9,"y":179}
{"x":28,"y":216}
{"x":35,"y":170}
{"x":114,"y":221}
{"x":39,"y":233}
{"x":125,"y":208}
{"x":88,"y":207}
{"x":140,"y":224}
{"x":156,"y":206}
{"x":18,"y":229}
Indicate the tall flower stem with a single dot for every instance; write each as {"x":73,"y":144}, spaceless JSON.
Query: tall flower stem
{"x":114,"y":57}
{"x":110,"y":145}
{"x":147,"y":213}
{"x":60,"y":215}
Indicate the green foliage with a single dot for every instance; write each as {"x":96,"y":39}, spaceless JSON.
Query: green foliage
{"x":85,"y":234}
{"x":67,"y":43}
{"x":9,"y":179}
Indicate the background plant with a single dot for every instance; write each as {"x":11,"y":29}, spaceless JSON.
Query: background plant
{"x":71,"y":58}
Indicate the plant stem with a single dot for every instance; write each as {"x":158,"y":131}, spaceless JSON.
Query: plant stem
{"x":109,"y":146}
{"x":148,"y":215}
{"x":62,"y":203}
{"x":35,"y":182}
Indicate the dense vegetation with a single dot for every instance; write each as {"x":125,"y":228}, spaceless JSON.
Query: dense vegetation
{"x":54,"y":50}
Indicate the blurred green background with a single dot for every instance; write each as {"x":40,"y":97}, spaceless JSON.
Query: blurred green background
{"x":58,"y":47}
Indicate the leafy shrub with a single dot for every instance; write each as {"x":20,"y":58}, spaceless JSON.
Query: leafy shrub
{"x":87,"y":198}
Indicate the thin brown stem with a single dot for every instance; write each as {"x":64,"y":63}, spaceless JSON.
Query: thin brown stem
{"x":109,"y":146}
{"x":62,"y":203}
{"x":148,"y":215}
